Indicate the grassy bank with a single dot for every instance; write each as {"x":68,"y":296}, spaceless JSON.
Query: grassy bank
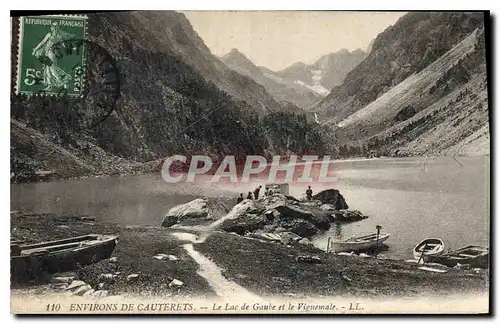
{"x":261,"y":267}
{"x":268,"y":268}
{"x":134,"y":252}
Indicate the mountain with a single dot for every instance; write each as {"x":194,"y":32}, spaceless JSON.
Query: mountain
{"x":174,"y":34}
{"x":369,"y":47}
{"x":301,"y":84}
{"x":412,"y":43}
{"x":176,"y":98}
{"x":335,"y":66}
{"x":422,"y":90}
{"x":321,"y":76}
{"x":238,"y":62}
{"x":300,"y":96}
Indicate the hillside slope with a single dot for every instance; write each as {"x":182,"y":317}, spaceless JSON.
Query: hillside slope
{"x":173,"y":33}
{"x":439,"y":110}
{"x":176,"y":98}
{"x":416,"y":40}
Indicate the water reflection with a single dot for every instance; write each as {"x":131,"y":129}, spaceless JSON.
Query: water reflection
{"x":445,"y":200}
{"x":337,"y":230}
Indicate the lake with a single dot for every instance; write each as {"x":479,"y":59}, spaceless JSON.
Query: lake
{"x":411,"y":198}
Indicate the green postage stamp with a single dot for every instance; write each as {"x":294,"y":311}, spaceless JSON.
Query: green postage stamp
{"x":50,"y":61}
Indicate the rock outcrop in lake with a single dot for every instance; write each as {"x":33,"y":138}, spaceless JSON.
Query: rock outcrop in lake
{"x":288,"y":218}
{"x":332,"y":197}
{"x":198,"y":210}
{"x":277,"y":217}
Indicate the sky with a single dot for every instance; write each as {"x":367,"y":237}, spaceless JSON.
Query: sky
{"x":277,"y":39}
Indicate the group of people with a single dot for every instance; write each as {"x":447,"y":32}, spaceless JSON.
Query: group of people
{"x":268,"y":192}
{"x":255,"y":195}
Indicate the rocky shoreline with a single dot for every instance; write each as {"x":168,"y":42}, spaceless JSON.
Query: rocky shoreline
{"x":277,"y":217}
{"x":137,"y":268}
{"x":272,"y":233}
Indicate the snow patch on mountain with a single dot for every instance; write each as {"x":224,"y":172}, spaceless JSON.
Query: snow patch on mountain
{"x":318,"y":88}
{"x":274,"y":77}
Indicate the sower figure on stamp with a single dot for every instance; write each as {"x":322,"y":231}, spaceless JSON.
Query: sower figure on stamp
{"x":309,"y":193}
{"x":53,"y":75}
{"x":256,"y":192}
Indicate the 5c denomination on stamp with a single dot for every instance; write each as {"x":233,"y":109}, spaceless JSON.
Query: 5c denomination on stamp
{"x":42,"y":67}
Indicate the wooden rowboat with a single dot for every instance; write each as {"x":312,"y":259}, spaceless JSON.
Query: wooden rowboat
{"x":429,"y":246}
{"x":357,"y":243}
{"x":31,"y":261}
{"x":474,"y":255}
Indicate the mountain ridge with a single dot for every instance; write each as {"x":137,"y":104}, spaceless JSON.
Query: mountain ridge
{"x":295,"y":94}
{"x":439,"y":108}
{"x":176,"y":98}
{"x":300,"y":83}
{"x":413,"y":42}
{"x":326,"y":72}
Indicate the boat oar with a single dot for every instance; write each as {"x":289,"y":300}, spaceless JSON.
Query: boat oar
{"x":422,"y":254}
{"x":378,"y":227}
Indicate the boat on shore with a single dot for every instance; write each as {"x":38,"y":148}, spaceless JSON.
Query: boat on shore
{"x":428,"y":247}
{"x":357,"y":243}
{"x":30,"y":261}
{"x":474,"y":255}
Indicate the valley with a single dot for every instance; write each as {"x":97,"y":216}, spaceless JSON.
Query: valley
{"x":420,"y":89}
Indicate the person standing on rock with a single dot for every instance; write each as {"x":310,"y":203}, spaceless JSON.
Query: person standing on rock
{"x":256,"y":192}
{"x":249,"y":196}
{"x":309,"y":193}
{"x":240,"y":199}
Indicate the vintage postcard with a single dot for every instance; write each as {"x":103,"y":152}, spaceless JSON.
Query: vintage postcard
{"x":250,"y":162}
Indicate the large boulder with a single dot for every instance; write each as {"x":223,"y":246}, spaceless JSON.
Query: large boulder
{"x":294,"y":212}
{"x":275,"y":200}
{"x":331,"y":197}
{"x":200,"y":209}
{"x":274,"y":214}
{"x":246,"y":223}
{"x":246,"y":216}
{"x":279,"y":213}
{"x":328,"y":207}
{"x":169,"y":220}
{"x":300,"y":227}
{"x":306,"y":241}
{"x":346,"y":216}
{"x":289,"y":238}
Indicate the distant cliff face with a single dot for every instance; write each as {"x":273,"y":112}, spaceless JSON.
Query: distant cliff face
{"x":301,"y":84}
{"x":291,"y":92}
{"x":171,"y":32}
{"x":422,"y":90}
{"x":416,"y":40}
{"x":328,"y":71}
{"x":176,"y":98}
{"x":336,"y":66}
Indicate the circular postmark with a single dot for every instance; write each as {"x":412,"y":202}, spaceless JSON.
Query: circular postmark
{"x":97,"y":81}
{"x":88,"y":83}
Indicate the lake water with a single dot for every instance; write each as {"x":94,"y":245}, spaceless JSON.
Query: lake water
{"x":411,"y":198}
